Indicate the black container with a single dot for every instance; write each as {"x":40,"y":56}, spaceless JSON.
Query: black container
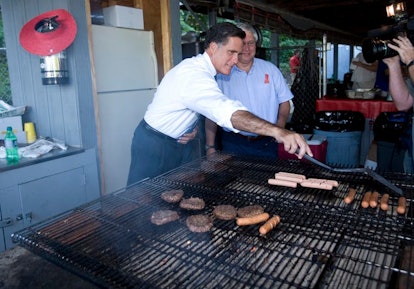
{"x":393,"y":127}
{"x":339,"y":121}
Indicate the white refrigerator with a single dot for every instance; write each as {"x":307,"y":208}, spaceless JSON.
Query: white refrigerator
{"x":126,"y":78}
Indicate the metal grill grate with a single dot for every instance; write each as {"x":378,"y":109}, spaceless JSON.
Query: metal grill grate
{"x":320,"y":243}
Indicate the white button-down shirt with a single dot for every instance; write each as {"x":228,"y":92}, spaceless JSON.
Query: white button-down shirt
{"x":187,"y":90}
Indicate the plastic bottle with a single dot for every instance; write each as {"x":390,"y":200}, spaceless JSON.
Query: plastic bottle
{"x":10,"y":142}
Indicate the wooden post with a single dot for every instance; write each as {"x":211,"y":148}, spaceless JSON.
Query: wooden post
{"x":138,"y":4}
{"x":157,"y":18}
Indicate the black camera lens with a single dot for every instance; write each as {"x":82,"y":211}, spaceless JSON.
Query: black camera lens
{"x":376,"y":49}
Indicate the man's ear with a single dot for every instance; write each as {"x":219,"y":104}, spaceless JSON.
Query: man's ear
{"x":213,"y":46}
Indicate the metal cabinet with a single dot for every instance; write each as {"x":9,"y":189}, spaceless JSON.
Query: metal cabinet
{"x":33,"y":193}
{"x":10,"y":215}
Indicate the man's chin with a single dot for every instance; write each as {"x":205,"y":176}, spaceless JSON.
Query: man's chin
{"x":226,"y":72}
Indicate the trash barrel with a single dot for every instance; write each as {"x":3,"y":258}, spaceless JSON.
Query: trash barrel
{"x":392,"y":132}
{"x":343,"y":132}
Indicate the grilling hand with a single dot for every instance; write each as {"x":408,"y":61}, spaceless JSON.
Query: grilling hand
{"x":294,"y":143}
{"x":186,"y":138}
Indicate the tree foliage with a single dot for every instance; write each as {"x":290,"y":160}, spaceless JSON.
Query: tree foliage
{"x":194,"y":22}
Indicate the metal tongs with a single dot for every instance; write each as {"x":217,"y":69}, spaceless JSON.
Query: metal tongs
{"x":367,"y":171}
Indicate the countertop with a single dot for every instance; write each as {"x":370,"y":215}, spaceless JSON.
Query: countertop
{"x":55,"y":153}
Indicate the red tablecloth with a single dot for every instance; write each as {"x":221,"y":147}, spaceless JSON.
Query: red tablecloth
{"x":369,"y":108}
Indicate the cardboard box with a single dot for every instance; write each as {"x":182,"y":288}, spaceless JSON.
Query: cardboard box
{"x":122,"y":16}
{"x":317,"y":143}
{"x":17,"y":125}
{"x":14,"y":121}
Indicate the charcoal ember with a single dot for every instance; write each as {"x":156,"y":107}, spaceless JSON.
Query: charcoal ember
{"x":85,"y":225}
{"x":162,"y":217}
{"x":199,"y":223}
{"x":225,"y":212}
{"x":213,"y":167}
{"x":192,"y":204}
{"x":195,"y":178}
{"x":172,"y":196}
{"x":250,"y":211}
{"x":118,"y":210}
{"x":219,"y":157}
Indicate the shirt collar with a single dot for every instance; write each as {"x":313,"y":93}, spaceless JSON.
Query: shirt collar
{"x":241,"y":70}
{"x":210,"y":65}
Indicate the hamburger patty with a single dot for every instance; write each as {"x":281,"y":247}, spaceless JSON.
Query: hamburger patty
{"x":225,"y":212}
{"x":162,"y":217}
{"x":199,"y":223}
{"x":192,"y":204}
{"x":173,"y":196}
{"x":250,"y":211}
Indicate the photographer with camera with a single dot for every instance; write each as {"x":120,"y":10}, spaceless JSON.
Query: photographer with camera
{"x":401,"y":88}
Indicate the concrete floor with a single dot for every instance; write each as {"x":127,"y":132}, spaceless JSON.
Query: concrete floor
{"x":20,"y":268}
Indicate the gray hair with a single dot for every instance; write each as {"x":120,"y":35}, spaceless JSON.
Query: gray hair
{"x":250,"y":28}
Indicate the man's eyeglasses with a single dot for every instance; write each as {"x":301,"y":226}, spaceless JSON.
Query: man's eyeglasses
{"x":250,"y":43}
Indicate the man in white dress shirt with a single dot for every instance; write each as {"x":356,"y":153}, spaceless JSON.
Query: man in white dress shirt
{"x":160,"y":141}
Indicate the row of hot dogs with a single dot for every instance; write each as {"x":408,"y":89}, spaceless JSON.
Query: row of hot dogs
{"x":371,"y":199}
{"x":292,"y":180}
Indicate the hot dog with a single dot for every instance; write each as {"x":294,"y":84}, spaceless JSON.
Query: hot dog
{"x":252,"y":220}
{"x":402,"y":203}
{"x":292,"y":175}
{"x":366,"y":199}
{"x":269,"y":225}
{"x":331,"y":182}
{"x":384,"y":202}
{"x":288,"y":178}
{"x":373,"y":200}
{"x":316,"y":185}
{"x":284,"y":183}
{"x":351,"y":196}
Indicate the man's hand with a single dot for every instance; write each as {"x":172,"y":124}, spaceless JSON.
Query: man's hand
{"x":293,"y":142}
{"x":186,"y":138}
{"x":210,"y":151}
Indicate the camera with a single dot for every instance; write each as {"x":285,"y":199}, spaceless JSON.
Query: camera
{"x":376,"y":48}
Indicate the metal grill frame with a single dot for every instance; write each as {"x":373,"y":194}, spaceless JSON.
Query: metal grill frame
{"x":320,"y":243}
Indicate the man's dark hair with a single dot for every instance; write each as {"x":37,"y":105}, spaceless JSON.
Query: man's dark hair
{"x":221,"y":32}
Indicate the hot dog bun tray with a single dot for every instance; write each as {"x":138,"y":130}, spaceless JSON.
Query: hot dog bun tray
{"x":321,"y":242}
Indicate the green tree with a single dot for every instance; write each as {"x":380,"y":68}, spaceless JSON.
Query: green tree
{"x":190,"y":22}
{"x":5,"y":91}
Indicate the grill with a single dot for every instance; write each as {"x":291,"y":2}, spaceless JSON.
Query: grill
{"x":321,"y":242}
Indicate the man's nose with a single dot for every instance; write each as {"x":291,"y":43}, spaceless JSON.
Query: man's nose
{"x":235,"y":58}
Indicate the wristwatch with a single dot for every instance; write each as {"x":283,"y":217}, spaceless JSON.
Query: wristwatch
{"x":410,"y":63}
{"x":210,"y":147}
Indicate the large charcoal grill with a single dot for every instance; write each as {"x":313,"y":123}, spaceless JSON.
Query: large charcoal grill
{"x":320,"y":243}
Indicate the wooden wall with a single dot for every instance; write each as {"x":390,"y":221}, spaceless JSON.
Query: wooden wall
{"x":65,"y":112}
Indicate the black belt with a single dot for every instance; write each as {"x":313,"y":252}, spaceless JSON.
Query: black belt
{"x":156,"y":132}
{"x":246,"y":137}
